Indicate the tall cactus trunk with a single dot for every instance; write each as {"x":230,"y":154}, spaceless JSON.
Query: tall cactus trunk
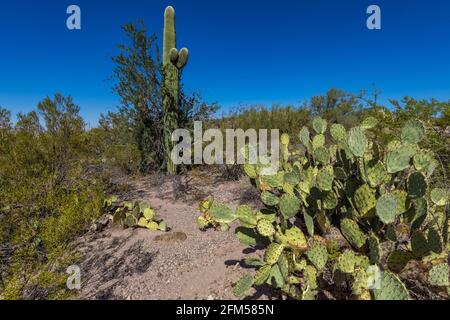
{"x":170,"y":88}
{"x":173,"y":62}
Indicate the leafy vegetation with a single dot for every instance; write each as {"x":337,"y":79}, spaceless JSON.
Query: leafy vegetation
{"x":48,"y":195}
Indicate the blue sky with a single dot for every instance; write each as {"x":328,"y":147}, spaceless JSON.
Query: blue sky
{"x":242,"y":51}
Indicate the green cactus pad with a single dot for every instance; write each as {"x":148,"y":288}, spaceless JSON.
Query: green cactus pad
{"x":394,"y":145}
{"x":318,"y":255}
{"x":398,"y":260}
{"x":319,"y":125}
{"x":136,"y":212}
{"x":323,"y":222}
{"x":153,"y":226}
{"x":110,"y":201}
{"x":289,"y":189}
{"x":269,"y":199}
{"x":340,"y":173}
{"x":246,"y":216}
{"x":222,"y":214}
{"x":206,"y":204}
{"x":417,"y":186}
{"x":243,"y":286}
{"x":325,"y":179}
{"x":377,"y":175}
{"x":399,"y":159}
{"x":262,"y":275}
{"x":250,"y":170}
{"x":387,"y":208}
{"x":346,"y":262}
{"x":265,"y":228}
{"x":118,"y":216}
{"x":295,"y":238}
{"x":283,"y":264}
{"x":401,"y":200}
{"x":266,"y":215}
{"x":413,"y":132}
{"x":390,"y":233}
{"x":292,"y":178}
{"x":438,"y":275}
{"x":423,"y":160}
{"x":149,"y":214}
{"x":309,"y":223}
{"x":274,"y":181}
{"x":374,"y":249}
{"x":276,"y":278}
{"x":351,"y":231}
{"x":254,"y":262}
{"x":330,"y":201}
{"x":318,"y":141}
{"x":285,"y":139}
{"x":310,"y":274}
{"x":362,"y":261}
{"x":273,"y":253}
{"x":419,"y":244}
{"x":391,"y":288}
{"x":439,"y":196}
{"x":418,"y":213}
{"x":364,"y":199}
{"x":322,"y":155}
{"x":131,"y":221}
{"x":305,"y":137}
{"x":289,"y":206}
{"x":247,"y":236}
{"x":202,"y":223}
{"x":360,"y":282}
{"x":162,"y":226}
{"x":142,"y":223}
{"x":435,"y":241}
{"x":357,"y":142}
{"x":143,"y":206}
{"x":339,"y":133}
{"x":369,"y":123}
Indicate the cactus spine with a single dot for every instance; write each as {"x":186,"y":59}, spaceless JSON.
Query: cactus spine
{"x":173,"y":62}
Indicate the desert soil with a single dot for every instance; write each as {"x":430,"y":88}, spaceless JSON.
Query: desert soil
{"x":184,"y":263}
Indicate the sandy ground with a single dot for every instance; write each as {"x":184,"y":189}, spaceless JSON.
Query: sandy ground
{"x":182,"y":264}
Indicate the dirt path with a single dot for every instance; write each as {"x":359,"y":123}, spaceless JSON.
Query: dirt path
{"x":184,"y":264}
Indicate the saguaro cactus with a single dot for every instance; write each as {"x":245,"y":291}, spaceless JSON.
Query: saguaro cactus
{"x":173,"y":62}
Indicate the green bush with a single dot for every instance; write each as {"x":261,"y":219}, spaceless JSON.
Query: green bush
{"x":48,"y":196}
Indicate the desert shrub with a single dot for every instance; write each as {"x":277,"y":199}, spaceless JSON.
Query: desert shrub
{"x":113,"y":144}
{"x":285,"y":118}
{"x":351,"y":217}
{"x":47,"y":197}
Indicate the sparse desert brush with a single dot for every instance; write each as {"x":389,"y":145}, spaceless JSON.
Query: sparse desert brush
{"x":46,"y":197}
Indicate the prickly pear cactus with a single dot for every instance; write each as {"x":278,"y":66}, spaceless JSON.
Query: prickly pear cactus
{"x":352,"y":232}
{"x":391,"y":288}
{"x":438,"y":275}
{"x":134,"y":215}
{"x":349,"y":206}
{"x":318,"y":255}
